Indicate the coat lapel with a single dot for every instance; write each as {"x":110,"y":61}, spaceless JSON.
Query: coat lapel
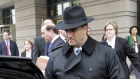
{"x":72,"y":61}
{"x":116,"y":44}
{"x":56,"y":43}
{"x":4,"y":44}
{"x":10,"y":42}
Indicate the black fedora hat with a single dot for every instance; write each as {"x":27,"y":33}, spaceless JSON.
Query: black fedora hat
{"x":73,"y":17}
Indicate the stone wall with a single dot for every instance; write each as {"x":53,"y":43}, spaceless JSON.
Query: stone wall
{"x":121,"y":11}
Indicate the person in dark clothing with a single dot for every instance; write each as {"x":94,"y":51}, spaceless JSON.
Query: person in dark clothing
{"x":50,"y":34}
{"x":39,"y":48}
{"x":134,"y":42}
{"x":8,"y":47}
{"x":81,"y":57}
{"x":28,"y":51}
{"x":121,"y":46}
{"x":40,"y":45}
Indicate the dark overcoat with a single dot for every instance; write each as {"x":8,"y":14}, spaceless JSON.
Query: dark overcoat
{"x":96,"y":61}
{"x":39,"y":48}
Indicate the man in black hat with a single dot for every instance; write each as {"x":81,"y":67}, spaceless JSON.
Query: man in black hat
{"x":81,"y":57}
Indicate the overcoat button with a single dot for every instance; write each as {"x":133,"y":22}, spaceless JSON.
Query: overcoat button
{"x":90,"y":69}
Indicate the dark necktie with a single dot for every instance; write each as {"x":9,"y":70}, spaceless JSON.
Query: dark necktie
{"x":78,"y":51}
{"x":46,"y":48}
{"x":49,"y":49}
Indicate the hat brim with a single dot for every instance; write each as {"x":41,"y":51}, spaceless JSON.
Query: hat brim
{"x":62,"y":26}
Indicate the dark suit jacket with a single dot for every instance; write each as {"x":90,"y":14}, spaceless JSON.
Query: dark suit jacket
{"x":13,"y":48}
{"x":58,"y":42}
{"x":123,"y":50}
{"x":23,"y":54}
{"x":39,"y":47}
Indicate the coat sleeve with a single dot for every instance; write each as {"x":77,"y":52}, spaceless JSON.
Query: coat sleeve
{"x":49,"y":73}
{"x":0,"y":49}
{"x":23,"y":54}
{"x":132,"y":56}
{"x":114,"y":67}
{"x":49,"y":69}
{"x":35,"y":50}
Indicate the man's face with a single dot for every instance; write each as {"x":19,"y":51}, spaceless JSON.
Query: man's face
{"x":46,"y":34}
{"x":5,"y":36}
{"x":110,"y":31}
{"x":77,"y":36}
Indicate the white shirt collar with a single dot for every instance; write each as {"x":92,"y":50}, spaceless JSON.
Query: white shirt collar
{"x":75,"y":49}
{"x":6,"y":41}
{"x":62,"y":37}
{"x":112,"y":42}
{"x":28,"y":54}
{"x":54,"y":39}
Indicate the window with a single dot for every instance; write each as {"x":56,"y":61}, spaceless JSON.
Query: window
{"x":55,"y":8}
{"x":8,"y":15}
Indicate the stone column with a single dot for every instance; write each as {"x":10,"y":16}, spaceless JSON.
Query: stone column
{"x":0,"y":16}
{"x":29,"y":15}
{"x":1,"y":24}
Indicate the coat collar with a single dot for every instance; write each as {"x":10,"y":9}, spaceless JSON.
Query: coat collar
{"x":117,"y":44}
{"x":88,"y":47}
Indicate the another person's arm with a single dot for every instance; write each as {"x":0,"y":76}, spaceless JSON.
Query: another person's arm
{"x":132,"y":56}
{"x":115,"y":70}
{"x":35,"y":50}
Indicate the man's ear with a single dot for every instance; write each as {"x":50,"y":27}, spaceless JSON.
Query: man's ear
{"x":51,"y":31}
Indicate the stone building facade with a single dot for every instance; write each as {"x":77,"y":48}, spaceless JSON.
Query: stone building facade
{"x":30,"y":13}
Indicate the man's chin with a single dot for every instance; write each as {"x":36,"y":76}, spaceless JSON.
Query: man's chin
{"x":71,"y":44}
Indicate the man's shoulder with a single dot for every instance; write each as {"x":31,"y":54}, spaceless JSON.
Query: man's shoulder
{"x":2,"y":42}
{"x":103,"y":46}
{"x":103,"y":43}
{"x":38,"y":37}
{"x":59,"y":39}
{"x":57,"y":51}
{"x":57,"y":43}
{"x":11,"y":41}
{"x":58,"y":48}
